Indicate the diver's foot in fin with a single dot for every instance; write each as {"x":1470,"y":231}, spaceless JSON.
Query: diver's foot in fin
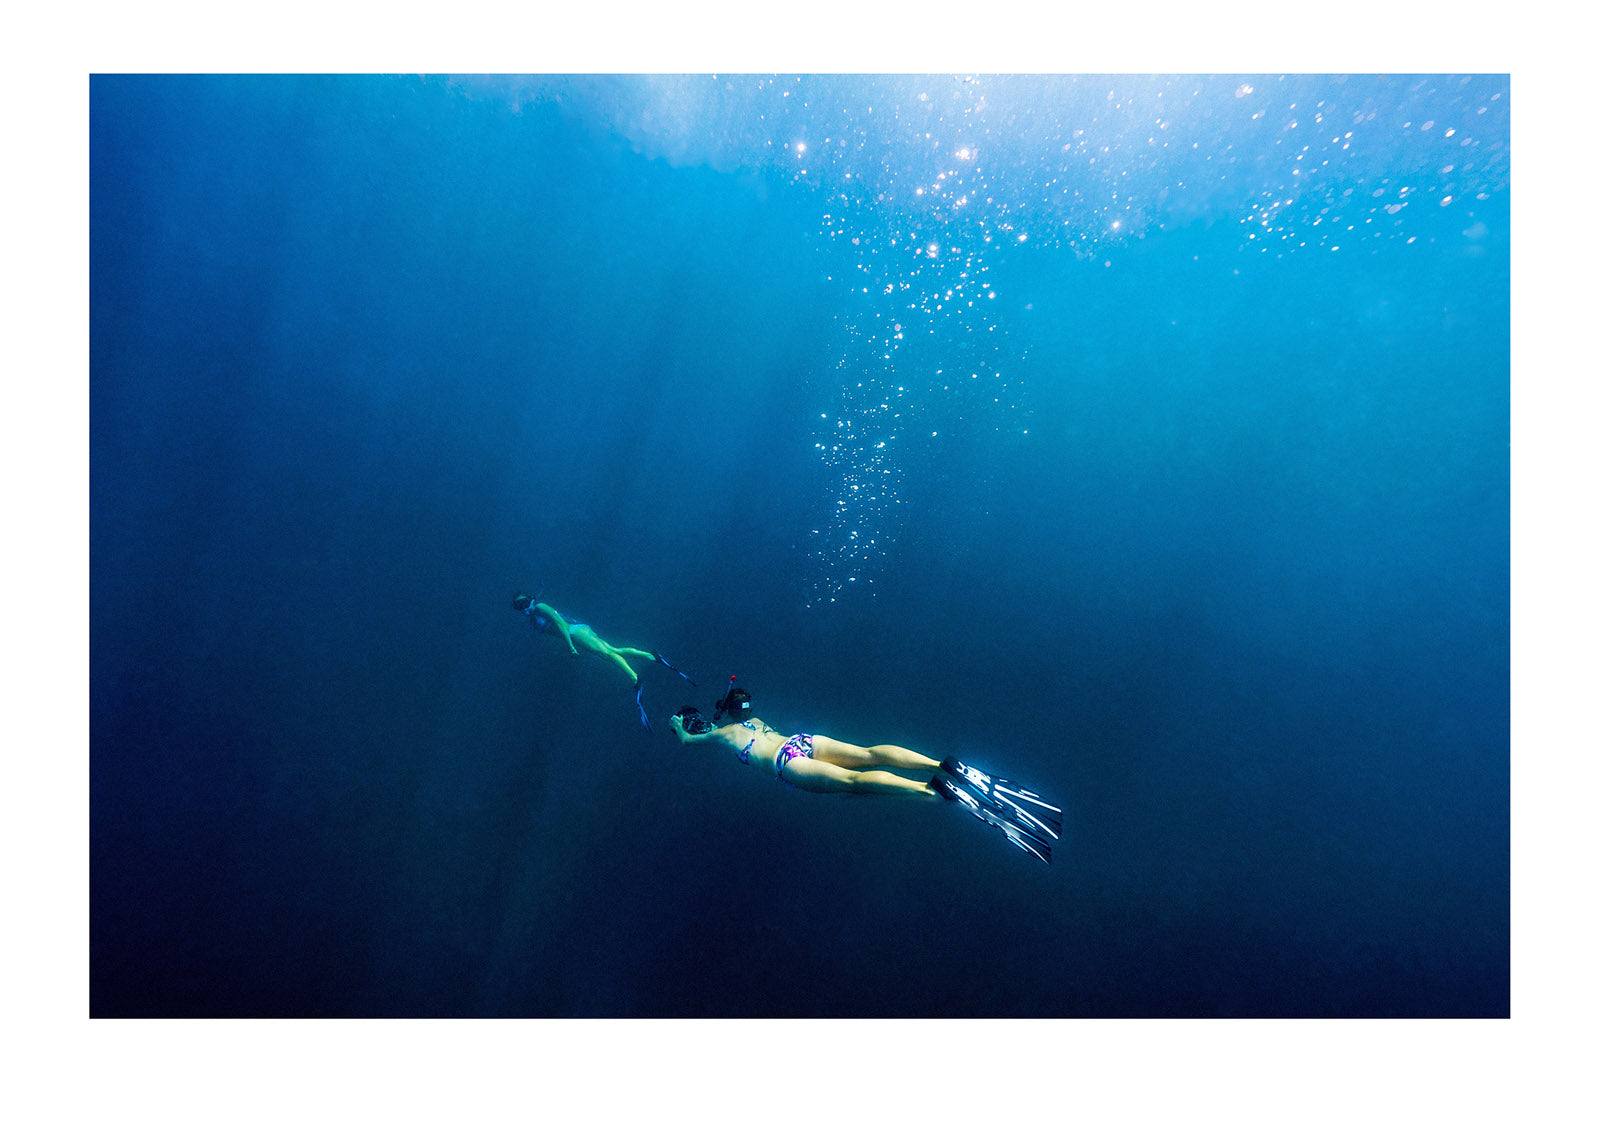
{"x":1020,"y":806}
{"x":1031,"y":843}
{"x":662,"y":660}
{"x":978,"y":781}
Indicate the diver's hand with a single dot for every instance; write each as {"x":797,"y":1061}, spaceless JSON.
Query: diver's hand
{"x":573,"y":650}
{"x":677,"y":727}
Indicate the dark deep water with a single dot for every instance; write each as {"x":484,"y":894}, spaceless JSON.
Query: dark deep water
{"x":369,"y":355}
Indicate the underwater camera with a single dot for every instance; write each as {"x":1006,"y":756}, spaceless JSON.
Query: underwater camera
{"x":693,"y":721}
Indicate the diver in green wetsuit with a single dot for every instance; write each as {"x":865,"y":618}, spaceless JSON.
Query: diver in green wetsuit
{"x":577,"y":635}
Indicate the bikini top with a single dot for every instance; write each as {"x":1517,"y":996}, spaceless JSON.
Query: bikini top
{"x":744,"y":755}
{"x":545,"y":624}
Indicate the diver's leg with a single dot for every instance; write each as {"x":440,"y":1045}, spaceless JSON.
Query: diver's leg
{"x":822,"y":777}
{"x":589,"y":640}
{"x":852,"y":757}
{"x":654,"y":658}
{"x":632,"y":675}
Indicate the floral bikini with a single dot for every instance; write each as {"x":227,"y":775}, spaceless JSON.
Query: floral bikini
{"x":797,"y":746}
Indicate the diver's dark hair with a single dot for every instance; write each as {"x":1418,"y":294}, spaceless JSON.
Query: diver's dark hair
{"x":521,"y":602}
{"x":735,"y":704}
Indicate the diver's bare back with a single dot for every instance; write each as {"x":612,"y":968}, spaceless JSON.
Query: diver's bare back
{"x":761,"y":740}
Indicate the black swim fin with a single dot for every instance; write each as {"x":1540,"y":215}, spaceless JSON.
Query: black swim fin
{"x":1031,"y":843}
{"x":1020,"y":806}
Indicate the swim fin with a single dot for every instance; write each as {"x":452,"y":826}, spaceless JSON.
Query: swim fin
{"x":1034,"y":845}
{"x":660,"y":659}
{"x":638,"y":697}
{"x":1020,"y":806}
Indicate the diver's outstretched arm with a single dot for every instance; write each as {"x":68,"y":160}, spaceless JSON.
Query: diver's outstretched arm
{"x":685,"y":736}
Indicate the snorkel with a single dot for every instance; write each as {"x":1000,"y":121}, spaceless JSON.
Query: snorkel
{"x":722,"y":704}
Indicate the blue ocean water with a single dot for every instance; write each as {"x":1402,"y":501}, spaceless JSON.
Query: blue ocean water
{"x":1145,"y":440}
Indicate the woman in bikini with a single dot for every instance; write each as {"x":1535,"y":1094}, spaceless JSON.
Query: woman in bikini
{"x":813,"y":762}
{"x":819,"y":764}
